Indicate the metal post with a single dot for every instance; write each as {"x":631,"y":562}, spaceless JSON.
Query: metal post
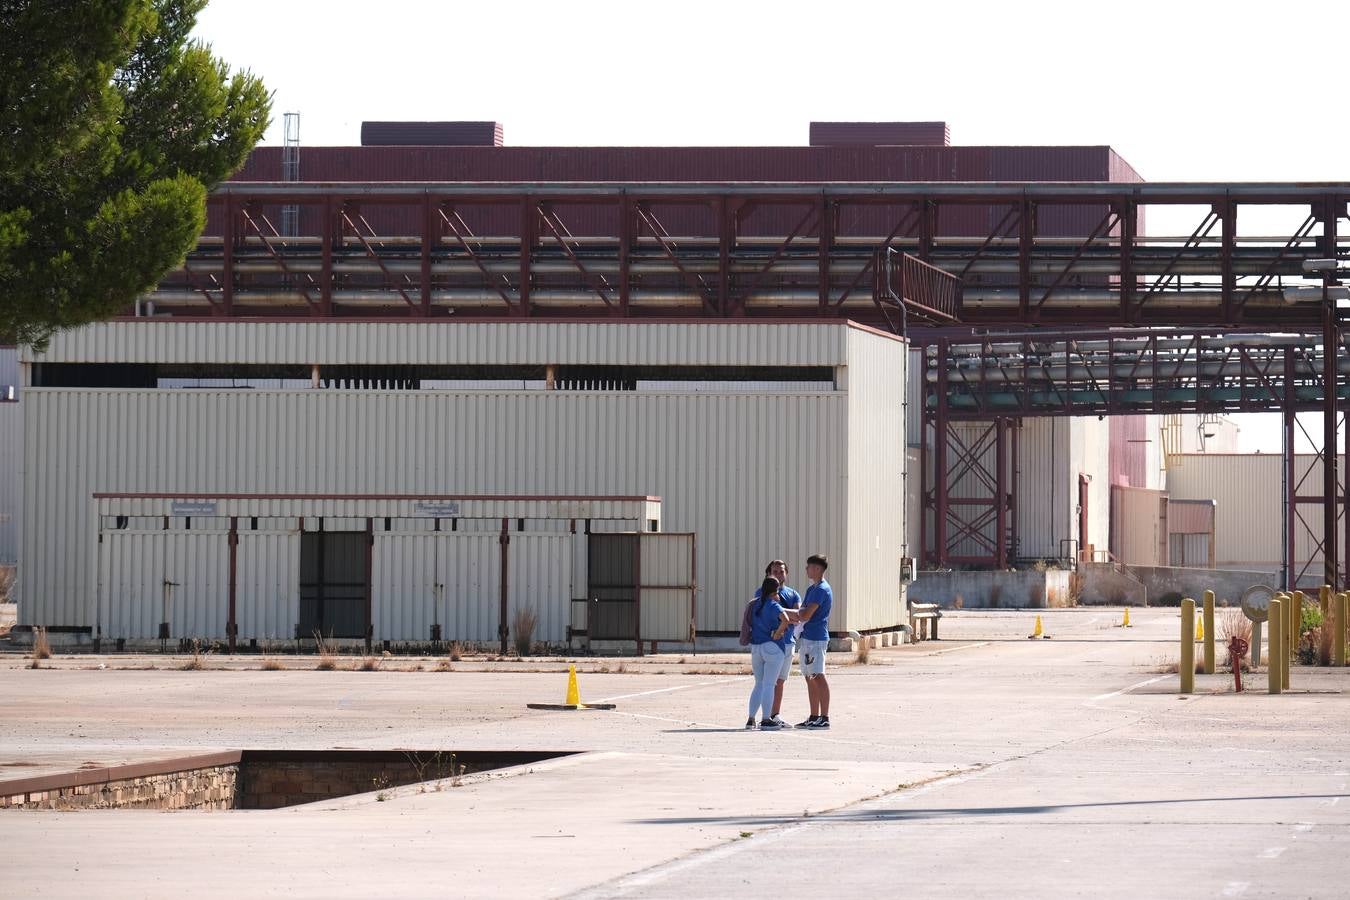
{"x":1342,"y":608}
{"x":1329,"y":486}
{"x":1274,"y":664}
{"x":1187,"y":665}
{"x":232,"y":623}
{"x":1209,"y":632}
{"x":1000,"y":494}
{"x":940,"y":461}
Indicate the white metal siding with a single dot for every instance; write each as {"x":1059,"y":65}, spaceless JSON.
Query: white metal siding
{"x":1248,"y":524}
{"x":472,"y":574}
{"x":540,"y":578}
{"x":11,"y":480}
{"x":667,"y":611}
{"x":405,"y":587}
{"x":491,"y":343}
{"x":135,"y":566}
{"x":756,"y":476}
{"x":267,"y":602}
{"x":871,"y":548}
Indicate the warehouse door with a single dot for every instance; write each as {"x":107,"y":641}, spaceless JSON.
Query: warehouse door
{"x":157,"y":583}
{"x":443,"y":582}
{"x":642,"y":587}
{"x":333,"y":584}
{"x":268,"y":580}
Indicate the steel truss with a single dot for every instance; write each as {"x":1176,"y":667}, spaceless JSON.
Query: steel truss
{"x":997,"y":380}
{"x":734,"y":250}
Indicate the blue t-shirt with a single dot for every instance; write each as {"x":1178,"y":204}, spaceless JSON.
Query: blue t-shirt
{"x":764,"y":621}
{"x":789,"y":599}
{"x":818,"y":627}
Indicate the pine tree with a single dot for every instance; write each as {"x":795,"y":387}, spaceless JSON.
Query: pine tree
{"x":114,"y":125}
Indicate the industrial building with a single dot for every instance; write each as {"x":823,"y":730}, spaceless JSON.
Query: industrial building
{"x":429,"y":479}
{"x":404,"y":390}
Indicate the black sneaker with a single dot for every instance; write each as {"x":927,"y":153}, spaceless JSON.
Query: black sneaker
{"x":750,"y":724}
{"x":770,"y":725}
{"x":820,"y":722}
{"x":809,"y":723}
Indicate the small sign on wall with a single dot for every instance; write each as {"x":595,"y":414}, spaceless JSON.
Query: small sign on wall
{"x":193,"y":508}
{"x":436,"y":509}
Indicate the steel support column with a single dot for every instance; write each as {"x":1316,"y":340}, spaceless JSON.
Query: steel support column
{"x":940,"y":496}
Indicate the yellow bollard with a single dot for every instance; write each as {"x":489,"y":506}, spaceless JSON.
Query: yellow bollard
{"x":1126,"y":623}
{"x":1274,"y":665}
{"x":1339,"y":610}
{"x":1187,"y":666}
{"x":1208,"y":630}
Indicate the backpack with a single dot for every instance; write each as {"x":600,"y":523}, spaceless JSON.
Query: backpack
{"x":745,"y":624}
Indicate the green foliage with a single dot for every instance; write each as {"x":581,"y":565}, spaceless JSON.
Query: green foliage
{"x":113,"y":127}
{"x":1312,"y":618}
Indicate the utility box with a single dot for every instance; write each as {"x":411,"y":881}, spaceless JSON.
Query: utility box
{"x":909,"y":570}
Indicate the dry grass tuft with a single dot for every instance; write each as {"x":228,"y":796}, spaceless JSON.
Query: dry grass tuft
{"x":456,"y":651}
{"x":42,"y":649}
{"x":862,"y":651}
{"x":445,"y":665}
{"x":959,"y":602}
{"x":523,"y":622}
{"x":272,"y":664}
{"x":370,"y":664}
{"x":327,"y":654}
{"x":197,"y":660}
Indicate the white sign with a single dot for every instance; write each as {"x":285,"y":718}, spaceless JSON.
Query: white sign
{"x":436,"y":509}
{"x":193,"y":508}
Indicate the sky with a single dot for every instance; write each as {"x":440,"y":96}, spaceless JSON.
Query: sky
{"x":1187,"y":90}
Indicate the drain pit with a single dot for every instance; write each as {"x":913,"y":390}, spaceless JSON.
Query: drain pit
{"x":254,"y":779}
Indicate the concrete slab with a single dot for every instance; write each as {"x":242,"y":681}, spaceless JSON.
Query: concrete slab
{"x":977,"y":763}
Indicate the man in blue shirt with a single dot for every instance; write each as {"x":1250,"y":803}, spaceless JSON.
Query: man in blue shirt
{"x":815,"y":640}
{"x":790,"y":600}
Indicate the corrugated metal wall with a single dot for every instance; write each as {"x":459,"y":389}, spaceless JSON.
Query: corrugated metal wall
{"x":1051,"y":454}
{"x":1137,"y":526}
{"x":179,"y":577}
{"x":11,"y":480}
{"x":268,"y":584}
{"x":442,"y":134}
{"x":1248,"y":524}
{"x":667,"y":611}
{"x":876,"y":484}
{"x":827,"y":134}
{"x":539,"y":574}
{"x":706,"y":454}
{"x":476,"y":343}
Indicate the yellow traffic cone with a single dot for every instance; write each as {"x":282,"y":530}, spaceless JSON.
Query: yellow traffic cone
{"x":1126,"y":623}
{"x":1199,"y":629}
{"x":573,"y":695}
{"x":1038,"y":632}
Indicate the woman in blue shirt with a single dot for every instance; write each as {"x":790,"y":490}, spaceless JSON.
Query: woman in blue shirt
{"x":768,"y":622}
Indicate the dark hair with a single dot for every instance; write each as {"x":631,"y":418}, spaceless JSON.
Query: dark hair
{"x":772,"y":563}
{"x":818,"y":559}
{"x":766,"y":590}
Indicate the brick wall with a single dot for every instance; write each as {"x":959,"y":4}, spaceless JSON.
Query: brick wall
{"x":214,"y":787}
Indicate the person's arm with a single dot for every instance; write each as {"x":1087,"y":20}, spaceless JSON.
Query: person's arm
{"x":783,"y":622}
{"x":807,"y":612}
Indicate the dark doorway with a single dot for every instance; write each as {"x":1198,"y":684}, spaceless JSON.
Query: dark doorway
{"x":333,"y":584}
{"x":612,"y":567}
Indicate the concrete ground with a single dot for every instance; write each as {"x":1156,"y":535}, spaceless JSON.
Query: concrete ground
{"x":983,"y":764}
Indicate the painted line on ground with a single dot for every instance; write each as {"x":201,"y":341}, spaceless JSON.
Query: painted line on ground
{"x":680,"y":687}
{"x":1125,"y":690}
